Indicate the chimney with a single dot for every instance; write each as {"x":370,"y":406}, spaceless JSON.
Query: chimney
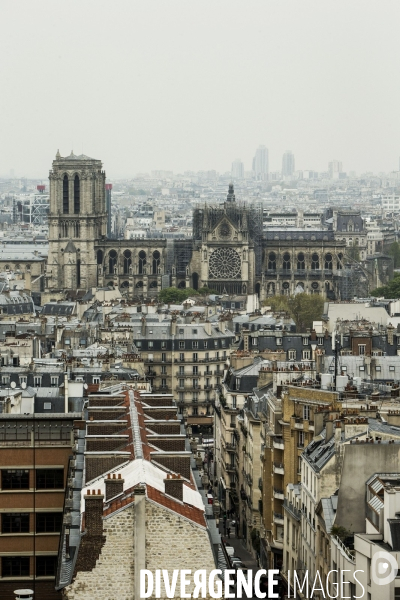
{"x":329,"y":430}
{"x":114,"y":486}
{"x":173,"y":325}
{"x":207,"y":327}
{"x":174,"y":486}
{"x":94,"y":512}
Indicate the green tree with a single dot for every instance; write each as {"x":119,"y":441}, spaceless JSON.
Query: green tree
{"x":303,"y":308}
{"x":394,"y":250}
{"x":174,"y":295}
{"x":204,"y":291}
{"x":391,"y":290}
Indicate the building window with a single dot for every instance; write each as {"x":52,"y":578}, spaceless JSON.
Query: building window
{"x":391,"y":368}
{"x":49,"y":479}
{"x":362,"y":368}
{"x":46,"y":566}
{"x":292,"y":354}
{"x":182,"y":357}
{"x":181,"y":383}
{"x":37,"y":381}
{"x":361,"y":349}
{"x":77,"y":195}
{"x":194,"y":410}
{"x":142,"y":262}
{"x":215,"y":343}
{"x":195,"y":344}
{"x":181,"y":396}
{"x":195,"y":383}
{"x":138,"y":344}
{"x":234,"y":401}
{"x":96,"y":379}
{"x":195,"y":357}
{"x":163,"y":357}
{"x":306,"y":354}
{"x":23,"y":379}
{"x":195,"y":370}
{"x":320,"y":341}
{"x":194,"y":331}
{"x":15,"y":566}
{"x":279,"y":341}
{"x":314,"y":261}
{"x":272,"y":261}
{"x":5,"y":379}
{"x":377,"y":368}
{"x":305,"y":341}
{"x":163,"y":370}
{"x":181,"y":345}
{"x":48,"y":522}
{"x":163,"y":383}
{"x":163,"y":345}
{"x":254,"y":341}
{"x":195,"y":397}
{"x":150,"y":344}
{"x":286,"y":261}
{"x":301,"y":439}
{"x":15,"y":479}
{"x":54,"y":380}
{"x":306,"y":412}
{"x":65,"y":195}
{"x":15,"y":523}
{"x":206,"y":344}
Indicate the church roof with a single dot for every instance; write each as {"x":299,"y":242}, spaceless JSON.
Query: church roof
{"x":73,"y":156}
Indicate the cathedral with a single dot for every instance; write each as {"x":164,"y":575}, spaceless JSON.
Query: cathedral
{"x":229,"y":252}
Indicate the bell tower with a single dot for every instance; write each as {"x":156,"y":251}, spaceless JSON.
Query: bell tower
{"x":77,"y":218}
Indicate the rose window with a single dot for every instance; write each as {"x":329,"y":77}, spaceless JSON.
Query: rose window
{"x":224,"y":264}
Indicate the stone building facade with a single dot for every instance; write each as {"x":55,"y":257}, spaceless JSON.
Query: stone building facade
{"x":228,"y":251}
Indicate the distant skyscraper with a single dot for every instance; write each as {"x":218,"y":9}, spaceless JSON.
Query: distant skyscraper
{"x":260,"y":163}
{"x":237,"y":169}
{"x":288,"y":164}
{"x":335,"y":167}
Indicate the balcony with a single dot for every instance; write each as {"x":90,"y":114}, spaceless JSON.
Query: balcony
{"x":278,"y":518}
{"x":278,"y":444}
{"x":290,"y":508}
{"x":279,"y":494}
{"x":230,"y":447}
{"x":278,"y":468}
{"x":230,"y":468}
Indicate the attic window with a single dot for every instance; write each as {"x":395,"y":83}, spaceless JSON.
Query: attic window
{"x":46,"y":405}
{"x":194,"y":331}
{"x":378,"y":368}
{"x":391,"y":368}
{"x":181,"y":332}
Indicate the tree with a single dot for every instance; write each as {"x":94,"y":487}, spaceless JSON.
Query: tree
{"x":205,"y":291}
{"x":394,"y":250}
{"x":391,"y":290}
{"x":174,"y":295}
{"x":303,"y":308}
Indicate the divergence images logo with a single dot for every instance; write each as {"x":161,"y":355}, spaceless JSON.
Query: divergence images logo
{"x":383,"y":568}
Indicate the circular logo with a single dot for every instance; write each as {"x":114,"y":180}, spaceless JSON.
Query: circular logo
{"x":383,"y":568}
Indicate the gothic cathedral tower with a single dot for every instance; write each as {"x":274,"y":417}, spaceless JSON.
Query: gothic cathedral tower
{"x":78,"y":217}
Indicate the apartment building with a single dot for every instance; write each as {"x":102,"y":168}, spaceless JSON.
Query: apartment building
{"x":292,"y":422}
{"x":34,"y":455}
{"x":184,"y":358}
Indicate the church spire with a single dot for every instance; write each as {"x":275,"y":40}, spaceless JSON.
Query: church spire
{"x":231,"y":194}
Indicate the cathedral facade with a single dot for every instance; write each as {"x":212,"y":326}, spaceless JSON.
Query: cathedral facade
{"x":229,"y":252}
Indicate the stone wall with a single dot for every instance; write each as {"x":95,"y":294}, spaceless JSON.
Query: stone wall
{"x":113,"y":575}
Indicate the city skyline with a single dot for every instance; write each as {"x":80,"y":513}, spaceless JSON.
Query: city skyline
{"x":143,"y":91}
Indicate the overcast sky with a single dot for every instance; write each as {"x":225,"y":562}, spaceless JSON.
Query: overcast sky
{"x":184,"y":84}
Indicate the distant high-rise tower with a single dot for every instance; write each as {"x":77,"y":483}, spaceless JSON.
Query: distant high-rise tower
{"x":288,"y":164}
{"x":261,"y":163}
{"x":335,"y":167}
{"x":237,"y":169}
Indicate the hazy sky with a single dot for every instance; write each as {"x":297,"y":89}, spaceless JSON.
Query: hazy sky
{"x":184,"y":84}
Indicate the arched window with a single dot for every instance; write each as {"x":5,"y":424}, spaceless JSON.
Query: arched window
{"x":156,"y":261}
{"x":78,"y":273}
{"x":77,"y":195}
{"x":328,"y":261}
{"x":65,"y":195}
{"x":315,"y":261}
{"x":286,"y":261}
{"x":124,"y":284}
{"x":195,"y":279}
{"x":301,"y":263}
{"x":142,"y":261}
{"x":272,"y":261}
{"x":127,"y":261}
{"x":99,"y":257}
{"x":153,"y":284}
{"x":139,"y":284}
{"x":112,"y":261}
{"x":285,"y":288}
